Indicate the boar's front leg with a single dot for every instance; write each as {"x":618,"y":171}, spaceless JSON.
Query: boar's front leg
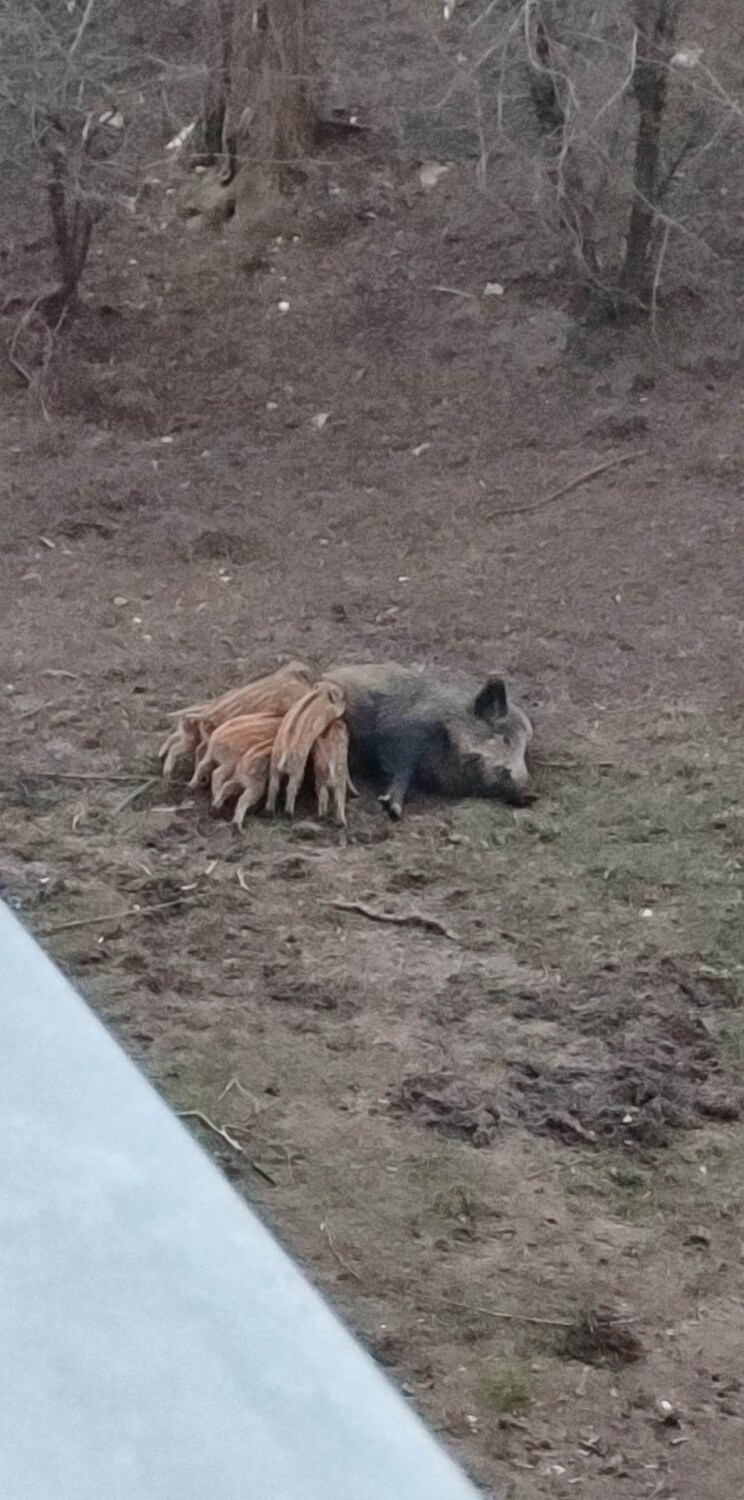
{"x":392,"y":800}
{"x":400,"y":751}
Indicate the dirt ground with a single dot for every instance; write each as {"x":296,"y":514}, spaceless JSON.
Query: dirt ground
{"x":511,"y":1156}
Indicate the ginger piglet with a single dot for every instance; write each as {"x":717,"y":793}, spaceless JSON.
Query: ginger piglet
{"x":274,"y":694}
{"x":252,"y":775}
{"x":228,"y":742}
{"x":330,"y":760}
{"x":295,"y":738}
{"x":245,"y":766}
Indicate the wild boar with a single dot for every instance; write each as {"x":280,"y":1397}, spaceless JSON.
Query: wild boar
{"x":411,"y":729}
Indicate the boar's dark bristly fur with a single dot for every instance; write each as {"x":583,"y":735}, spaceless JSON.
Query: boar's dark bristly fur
{"x":412,"y":729}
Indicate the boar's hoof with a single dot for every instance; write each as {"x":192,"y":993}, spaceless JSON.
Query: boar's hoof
{"x":392,"y":806}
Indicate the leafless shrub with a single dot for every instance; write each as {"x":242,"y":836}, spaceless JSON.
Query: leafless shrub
{"x":74,"y":207}
{"x":64,"y":126}
{"x":623,"y":111}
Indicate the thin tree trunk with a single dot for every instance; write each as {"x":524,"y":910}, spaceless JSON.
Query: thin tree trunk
{"x":219,"y":46}
{"x":656,"y":24}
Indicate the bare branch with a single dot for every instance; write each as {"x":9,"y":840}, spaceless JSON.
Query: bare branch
{"x":82,"y":28}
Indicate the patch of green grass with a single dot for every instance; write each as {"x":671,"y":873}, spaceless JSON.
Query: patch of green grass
{"x":603,"y":845}
{"x":627,"y":1191}
{"x":506,"y":1391}
{"x":630,"y":1179}
{"x":458,"y":1205}
{"x":451,"y":1188}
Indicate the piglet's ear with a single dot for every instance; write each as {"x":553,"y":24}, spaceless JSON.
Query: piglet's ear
{"x":492,"y":701}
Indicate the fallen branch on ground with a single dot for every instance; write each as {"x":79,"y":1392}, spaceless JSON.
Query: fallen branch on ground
{"x":573,"y":765}
{"x":115,"y":916}
{"x":397,"y":919}
{"x":336,"y":1253}
{"x":77,"y":775}
{"x":224,"y":1135}
{"x":136,"y":793}
{"x":29,"y":713}
{"x":573,"y":484}
{"x":505,"y":1317}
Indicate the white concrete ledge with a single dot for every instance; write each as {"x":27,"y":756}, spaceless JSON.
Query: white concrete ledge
{"x":156,"y":1343}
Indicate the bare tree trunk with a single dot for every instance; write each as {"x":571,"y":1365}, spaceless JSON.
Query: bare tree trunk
{"x":281,"y":124}
{"x":220,"y":16}
{"x":656,"y":26}
{"x":256,"y":112}
{"x":549,"y":108}
{"x":72,"y":217}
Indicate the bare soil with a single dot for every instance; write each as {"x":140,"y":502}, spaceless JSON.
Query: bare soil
{"x":511,"y":1156}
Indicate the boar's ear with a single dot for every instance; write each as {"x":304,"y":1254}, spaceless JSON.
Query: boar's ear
{"x":492,"y":702}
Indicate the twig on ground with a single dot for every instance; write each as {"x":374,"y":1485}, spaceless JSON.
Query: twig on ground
{"x":506,"y":1317}
{"x":397,"y":919}
{"x":224,"y":1135}
{"x":557,"y":765}
{"x":136,"y":793}
{"x":454,"y":291}
{"x":115,"y":916}
{"x":17,"y":366}
{"x":261,"y":1172}
{"x":235,"y":1083}
{"x":29,"y":713}
{"x":573,"y":484}
{"x":336,"y":1253}
{"x":574,"y":765}
{"x":80,"y":33}
{"x":78,"y":775}
{"x":33,"y":378}
{"x":657,"y":281}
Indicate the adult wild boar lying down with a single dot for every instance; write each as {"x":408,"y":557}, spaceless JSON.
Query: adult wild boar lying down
{"x":412,"y":730}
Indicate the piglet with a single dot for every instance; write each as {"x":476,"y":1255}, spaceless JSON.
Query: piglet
{"x":227,"y":744}
{"x":330,"y":761}
{"x":273,"y":694}
{"x":298,"y":731}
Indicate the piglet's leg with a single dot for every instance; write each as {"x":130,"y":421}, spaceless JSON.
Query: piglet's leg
{"x":223,"y":783}
{"x":249,"y":799}
{"x":339,"y":802}
{"x":202,"y":768}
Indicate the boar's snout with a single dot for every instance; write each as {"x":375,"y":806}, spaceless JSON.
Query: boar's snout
{"x":515,"y":793}
{"x":516,"y":768}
